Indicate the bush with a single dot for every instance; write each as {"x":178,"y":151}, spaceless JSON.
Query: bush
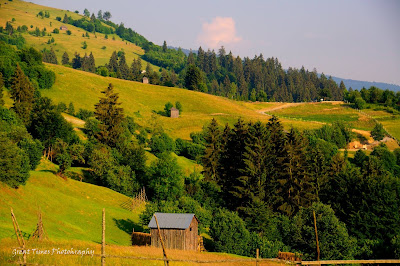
{"x":14,"y":170}
{"x":161,"y":142}
{"x":335,"y":242}
{"x":33,"y":149}
{"x":229,"y":233}
{"x":84,"y":114}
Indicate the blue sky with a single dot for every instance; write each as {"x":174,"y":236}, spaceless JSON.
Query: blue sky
{"x":357,"y":39}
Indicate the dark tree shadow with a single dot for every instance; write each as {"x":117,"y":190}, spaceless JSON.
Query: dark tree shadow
{"x":127,"y":225}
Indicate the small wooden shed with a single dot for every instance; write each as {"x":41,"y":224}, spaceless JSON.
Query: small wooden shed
{"x":145,"y":80}
{"x":178,"y":230}
{"x":174,"y":112}
{"x":63,"y":27}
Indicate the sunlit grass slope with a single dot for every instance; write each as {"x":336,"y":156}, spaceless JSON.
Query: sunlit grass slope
{"x":70,"y":209}
{"x":326,"y":113}
{"x":142,"y":100}
{"x":25,"y":13}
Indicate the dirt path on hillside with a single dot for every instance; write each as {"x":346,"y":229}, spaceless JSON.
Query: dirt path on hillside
{"x":285,"y":105}
{"x":74,"y":121}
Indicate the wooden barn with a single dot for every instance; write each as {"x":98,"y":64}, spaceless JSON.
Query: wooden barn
{"x":145,"y":80}
{"x":178,"y":230}
{"x":63,"y":27}
{"x":174,"y":112}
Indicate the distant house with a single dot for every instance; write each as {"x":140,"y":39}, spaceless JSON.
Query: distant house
{"x":63,"y":27}
{"x":178,"y":231}
{"x":145,"y":80}
{"x":174,"y":112}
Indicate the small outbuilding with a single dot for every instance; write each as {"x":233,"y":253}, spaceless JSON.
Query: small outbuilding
{"x":145,"y":80}
{"x":174,"y":112}
{"x":63,"y":27}
{"x":178,"y":230}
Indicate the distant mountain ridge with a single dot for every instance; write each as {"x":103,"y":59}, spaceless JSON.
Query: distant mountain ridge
{"x":358,"y":84}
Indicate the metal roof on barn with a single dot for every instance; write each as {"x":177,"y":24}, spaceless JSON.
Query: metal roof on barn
{"x":172,"y":220}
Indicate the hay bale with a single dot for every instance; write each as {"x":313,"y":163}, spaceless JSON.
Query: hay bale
{"x":140,"y":239}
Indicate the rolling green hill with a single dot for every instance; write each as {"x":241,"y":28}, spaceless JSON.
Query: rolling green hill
{"x":71,"y":209}
{"x":25,"y":13}
{"x":143,"y":101}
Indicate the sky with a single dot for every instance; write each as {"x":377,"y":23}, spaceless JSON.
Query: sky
{"x":350,"y":39}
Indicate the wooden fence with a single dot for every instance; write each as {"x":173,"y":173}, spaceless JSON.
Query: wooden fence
{"x":167,"y":260}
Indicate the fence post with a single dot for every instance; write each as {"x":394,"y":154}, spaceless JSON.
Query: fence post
{"x":316,"y":234}
{"x":103,"y":240}
{"x":20,"y":237}
{"x":257,"y":253}
{"x":166,"y":262}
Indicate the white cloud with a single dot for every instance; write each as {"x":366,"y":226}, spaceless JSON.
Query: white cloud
{"x":221,"y":31}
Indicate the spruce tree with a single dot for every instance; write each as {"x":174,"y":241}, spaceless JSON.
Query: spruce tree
{"x":22,"y":93}
{"x":113,"y":63}
{"x":164,"y":47}
{"x":91,"y":63}
{"x":65,"y":59}
{"x":65,"y":20}
{"x":211,"y":158}
{"x":295,"y":188}
{"x":123,"y":66}
{"x":1,"y":89}
{"x":233,"y":162}
{"x":111,"y":116}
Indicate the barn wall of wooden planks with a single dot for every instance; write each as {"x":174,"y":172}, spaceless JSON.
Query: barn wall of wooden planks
{"x":184,"y":239}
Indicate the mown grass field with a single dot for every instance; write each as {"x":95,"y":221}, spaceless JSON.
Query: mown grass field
{"x":144,"y":101}
{"x":6,"y":257}
{"x":71,"y":209}
{"x":25,"y":14}
{"x":326,"y":113}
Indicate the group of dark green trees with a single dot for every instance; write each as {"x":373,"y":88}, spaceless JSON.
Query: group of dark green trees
{"x":385,"y":98}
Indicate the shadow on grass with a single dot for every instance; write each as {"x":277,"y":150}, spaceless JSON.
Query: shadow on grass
{"x":127,"y":225}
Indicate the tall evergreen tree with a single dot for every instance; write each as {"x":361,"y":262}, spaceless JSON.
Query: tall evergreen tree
{"x":164,"y":47}
{"x":113,"y":63}
{"x":295,"y":188}
{"x":110,"y":115}
{"x":1,"y":89}
{"x":22,"y":93}
{"x":211,"y":158}
{"x":234,"y":152}
{"x":123,"y":66}
{"x":65,"y":59}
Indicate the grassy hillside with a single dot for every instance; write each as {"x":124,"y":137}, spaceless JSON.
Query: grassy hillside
{"x":70,"y":209}
{"x":25,"y":13}
{"x":143,"y":101}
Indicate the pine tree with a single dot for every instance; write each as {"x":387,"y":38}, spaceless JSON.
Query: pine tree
{"x":65,"y":20}
{"x":71,"y":109}
{"x":86,"y":12}
{"x":22,"y":93}
{"x":110,"y":115}
{"x":91,"y":63}
{"x":211,"y":158}
{"x":295,"y":188}
{"x":113,"y":63}
{"x":77,"y":61}
{"x":65,"y":59}
{"x":255,"y":175}
{"x":164,"y":47}
{"x":123,"y":66}
{"x":232,"y":162}
{"x":1,"y":89}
